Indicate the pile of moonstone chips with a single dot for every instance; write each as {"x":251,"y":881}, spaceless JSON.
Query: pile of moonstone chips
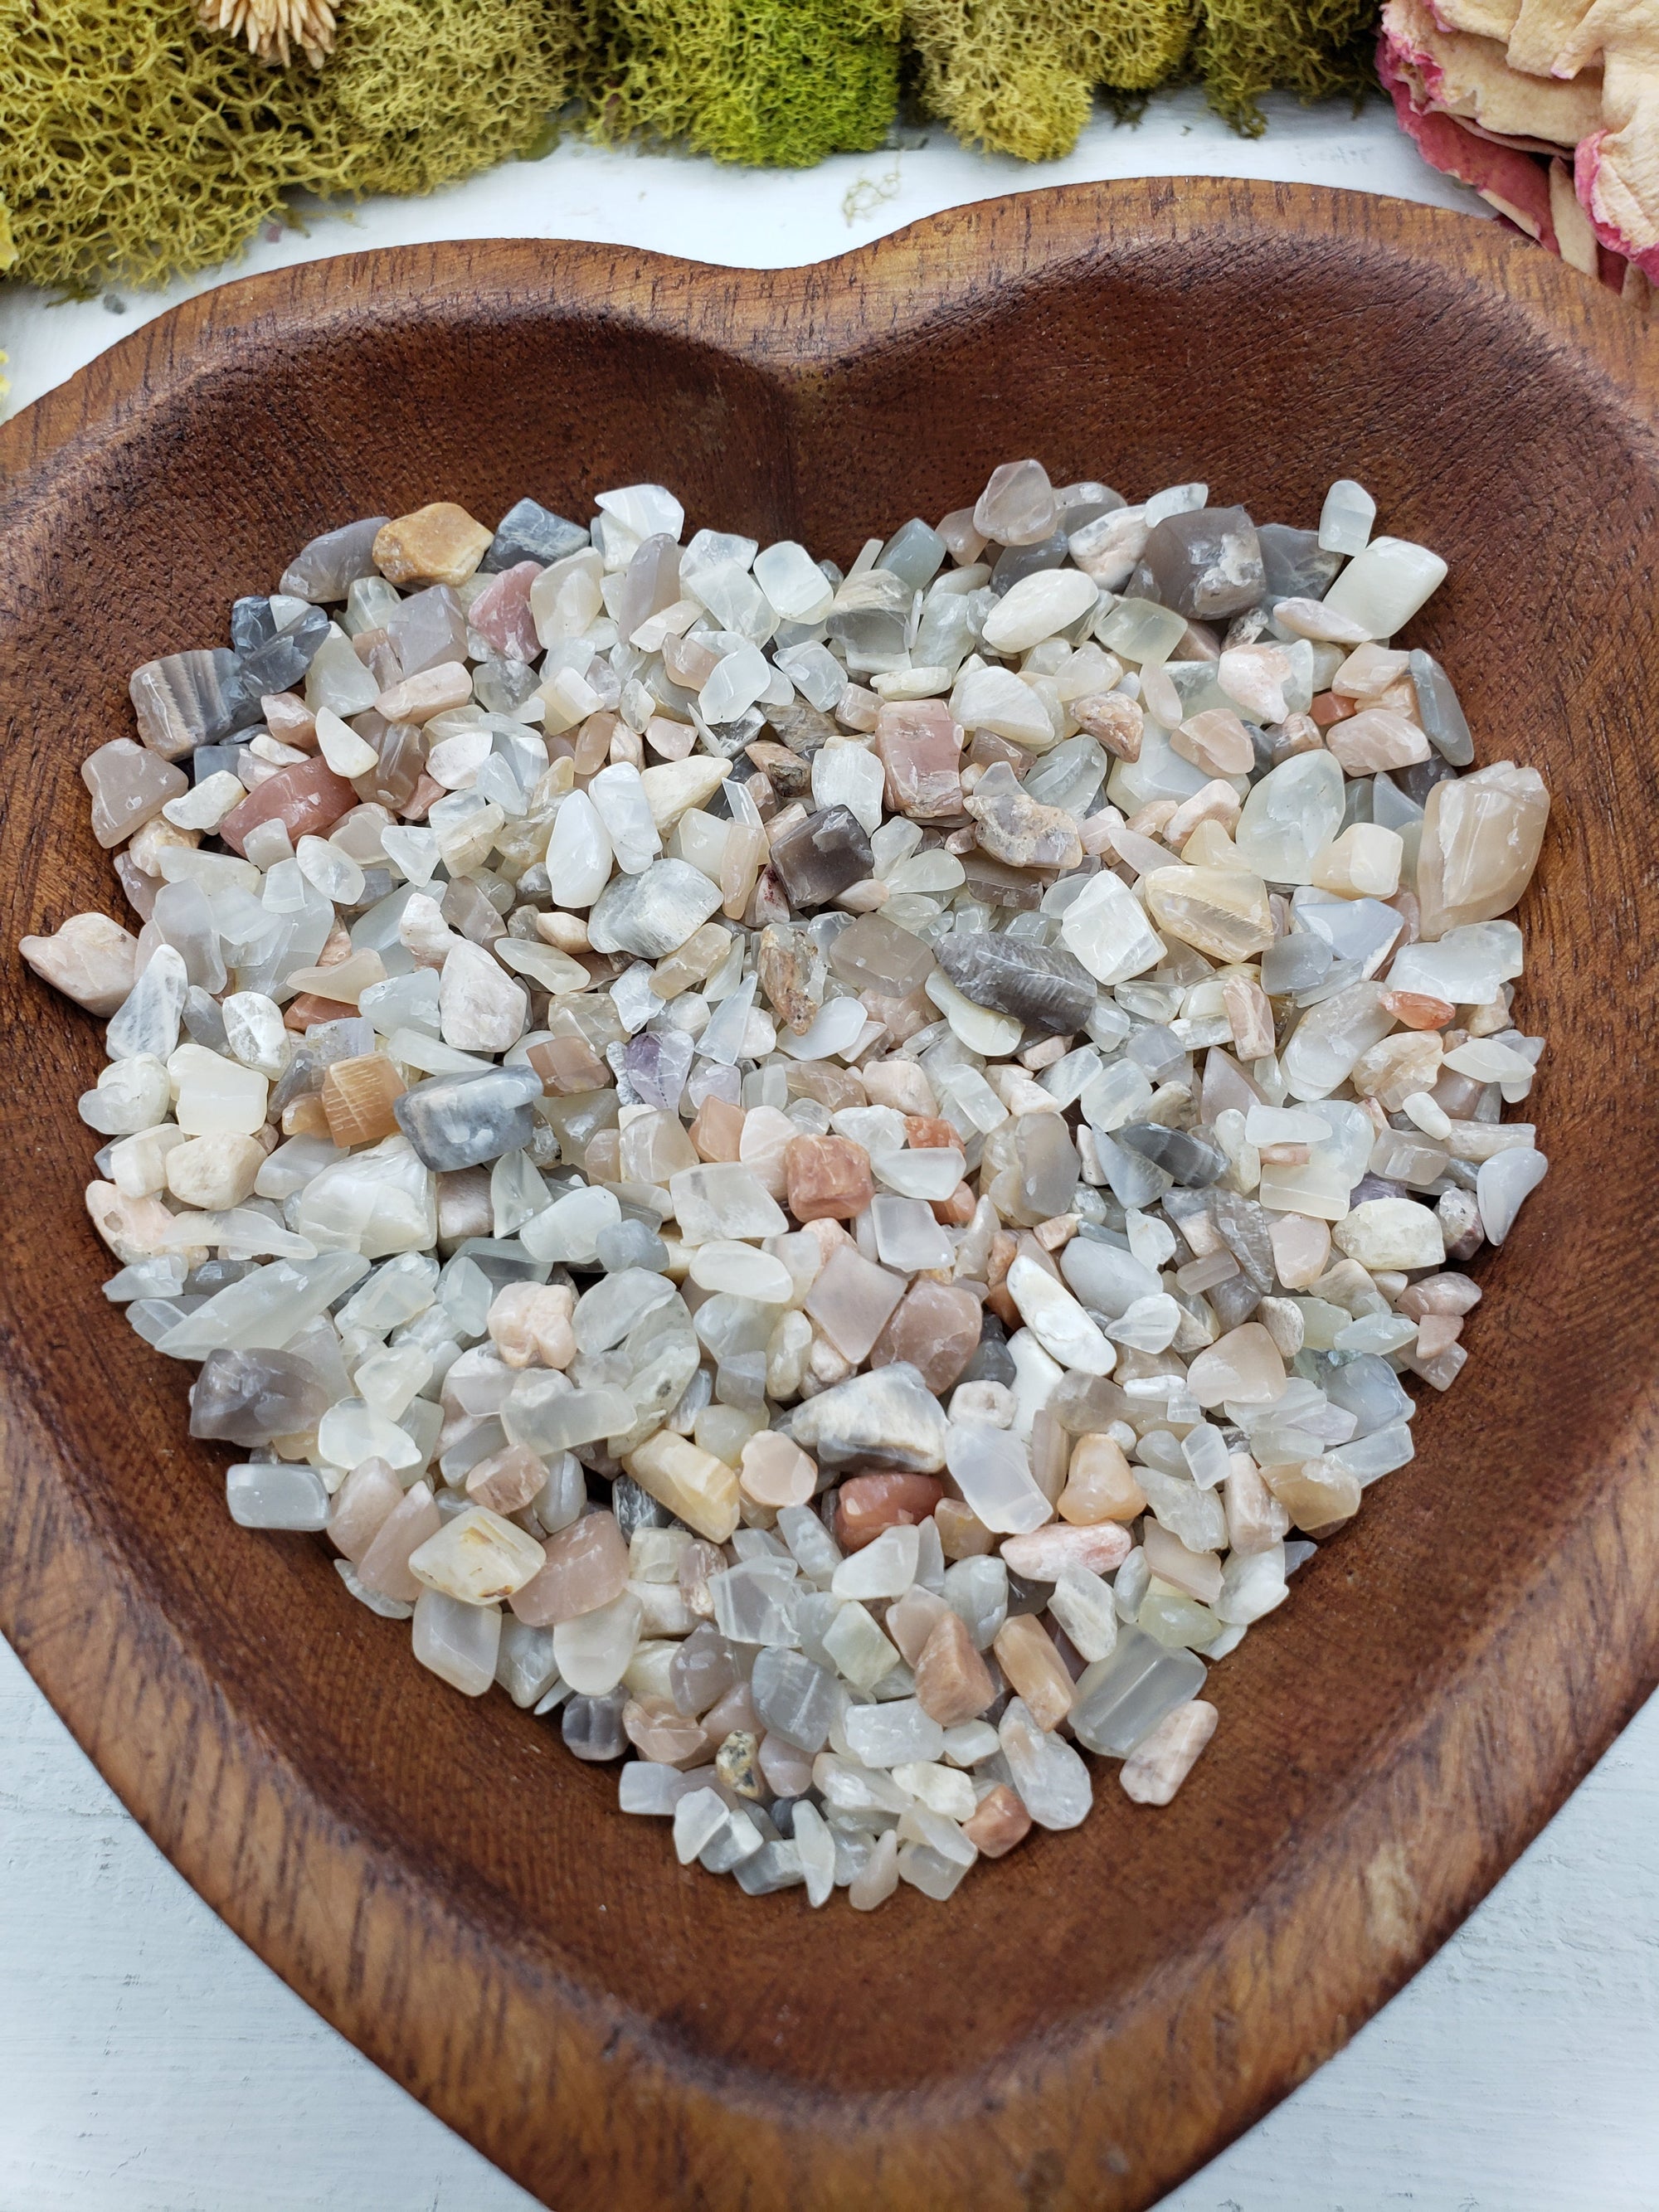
{"x":829,"y":1177}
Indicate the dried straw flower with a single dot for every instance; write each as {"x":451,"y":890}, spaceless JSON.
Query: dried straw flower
{"x":271,"y":27}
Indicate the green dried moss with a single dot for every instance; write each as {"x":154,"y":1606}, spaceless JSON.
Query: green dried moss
{"x":771,"y":83}
{"x":1314,"y":48}
{"x":1018,"y":76}
{"x":421,"y":91}
{"x":135,"y":145}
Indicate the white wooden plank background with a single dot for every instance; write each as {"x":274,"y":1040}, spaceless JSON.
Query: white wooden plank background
{"x":149,"y":2064}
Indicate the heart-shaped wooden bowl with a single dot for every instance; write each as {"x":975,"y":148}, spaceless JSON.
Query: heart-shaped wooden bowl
{"x":1086,"y":2022}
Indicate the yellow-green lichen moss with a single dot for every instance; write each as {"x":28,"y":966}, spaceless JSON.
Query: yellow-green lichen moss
{"x":770,"y":83}
{"x":1018,"y":76}
{"x":1314,"y":48}
{"x":135,"y":145}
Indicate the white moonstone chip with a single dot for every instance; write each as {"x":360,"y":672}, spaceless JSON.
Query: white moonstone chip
{"x":276,"y":1494}
{"x":1105,"y":926}
{"x":579,"y":852}
{"x":1290,"y":818}
{"x":991,"y":1469}
{"x":1503,"y":1184}
{"x":477,"y":1558}
{"x":1053,"y":1781}
{"x":793,"y":582}
{"x":459,"y":1643}
{"x":1057,"y":1321}
{"x":1383,"y":587}
{"x":1039,"y":606}
{"x":1398,"y":1233}
{"x":593,"y":1650}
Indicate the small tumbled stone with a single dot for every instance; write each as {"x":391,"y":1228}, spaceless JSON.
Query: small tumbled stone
{"x":1163,"y":1759}
{"x":480,"y":1007}
{"x":89,"y":959}
{"x":1044,"y":986}
{"x":850,"y":1301}
{"x":1017,"y":506}
{"x":359,"y":1097}
{"x":652,"y":913}
{"x":437,"y":544}
{"x":935,"y":1328}
{"x":457,"y":1121}
{"x":307,"y":799}
{"x":822,"y":856}
{"x":1015,"y":829}
{"x":953,"y":1683}
{"x":828,"y":1178}
{"x":999,"y":1822}
{"x":129,"y":785}
{"x":776,"y":1473}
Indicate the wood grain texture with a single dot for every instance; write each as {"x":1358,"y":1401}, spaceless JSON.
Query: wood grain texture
{"x":439,"y":1878}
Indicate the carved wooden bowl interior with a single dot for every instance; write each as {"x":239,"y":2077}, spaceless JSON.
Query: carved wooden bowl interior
{"x":1090,"y":2018}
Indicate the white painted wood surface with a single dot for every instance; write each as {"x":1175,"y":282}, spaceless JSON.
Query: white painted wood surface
{"x":149,"y":2064}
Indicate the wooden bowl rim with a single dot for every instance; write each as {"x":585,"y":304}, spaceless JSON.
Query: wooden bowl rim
{"x":82,"y":1619}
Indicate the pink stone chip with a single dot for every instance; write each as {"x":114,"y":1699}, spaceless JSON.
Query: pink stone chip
{"x":1376,"y":739}
{"x":953,"y":1683}
{"x":1029,"y":1657}
{"x":384,"y":1567}
{"x":364,"y":1505}
{"x":920,"y":746}
{"x":1000,"y":1822}
{"x":308,"y":798}
{"x":586,"y":1568}
{"x":290,"y":720}
{"x":1196,"y":1574}
{"x":501,"y":613}
{"x":658,"y":1731}
{"x":827,"y":1179}
{"x":1102,"y":1547}
{"x":937,"y":1328}
{"x":867,"y":1504}
{"x":912,"y":1619}
{"x":508,"y":1480}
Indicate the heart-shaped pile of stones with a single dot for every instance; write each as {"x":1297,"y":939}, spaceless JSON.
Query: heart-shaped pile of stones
{"x":830,"y":1177}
